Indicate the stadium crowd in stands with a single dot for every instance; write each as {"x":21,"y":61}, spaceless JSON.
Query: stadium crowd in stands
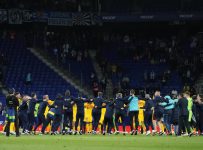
{"x":177,"y":54}
{"x":169,"y":50}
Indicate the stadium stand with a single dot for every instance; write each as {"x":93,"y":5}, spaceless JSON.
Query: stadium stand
{"x":21,"y":62}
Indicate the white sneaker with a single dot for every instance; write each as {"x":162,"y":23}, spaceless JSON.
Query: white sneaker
{"x":148,"y":133}
{"x":27,"y":132}
{"x":186,"y":134}
{"x":12,"y":133}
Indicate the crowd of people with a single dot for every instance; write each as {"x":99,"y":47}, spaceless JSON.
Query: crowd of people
{"x":179,"y":114}
{"x":179,"y":53}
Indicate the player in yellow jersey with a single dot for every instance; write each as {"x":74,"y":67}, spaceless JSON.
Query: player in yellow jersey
{"x":103,"y":111}
{"x":50,"y":102}
{"x":88,"y":106}
{"x":19,"y":97}
{"x":141,"y":104}
{"x":74,"y":114}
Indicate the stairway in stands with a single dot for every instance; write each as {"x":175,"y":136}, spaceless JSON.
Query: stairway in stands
{"x":97,"y":68}
{"x":60,"y":71}
{"x":21,"y":62}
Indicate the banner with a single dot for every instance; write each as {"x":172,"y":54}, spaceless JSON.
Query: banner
{"x":59,"y":22}
{"x":60,"y":15}
{"x":40,"y":16}
{"x":96,"y":19}
{"x":82,"y":19}
{"x":15,"y":16}
{"x":27,"y":16}
{"x":3,"y":16}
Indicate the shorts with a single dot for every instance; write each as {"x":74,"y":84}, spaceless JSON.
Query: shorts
{"x":10,"y":115}
{"x":158,"y":116}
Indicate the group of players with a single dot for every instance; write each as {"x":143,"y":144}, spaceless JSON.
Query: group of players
{"x":77,"y":115}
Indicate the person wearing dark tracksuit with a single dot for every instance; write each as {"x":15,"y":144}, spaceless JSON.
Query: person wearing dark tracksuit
{"x":158,"y":109}
{"x":133,"y":111}
{"x":120,"y":111}
{"x":11,"y":113}
{"x":58,"y":105}
{"x":68,"y":113}
{"x":195,"y":111}
{"x":200,"y":112}
{"x":96,"y":112}
{"x":175,"y":116}
{"x":108,"y":118}
{"x":149,"y":105}
{"x":201,"y":118}
{"x":80,"y":114}
{"x":49,"y":118}
{"x":41,"y":111}
{"x":183,"y":115}
{"x":22,"y":112}
{"x":31,"y":109}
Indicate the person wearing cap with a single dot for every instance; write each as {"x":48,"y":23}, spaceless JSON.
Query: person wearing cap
{"x":11,"y":112}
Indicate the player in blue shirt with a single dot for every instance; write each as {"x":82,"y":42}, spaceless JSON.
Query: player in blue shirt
{"x":133,"y":111}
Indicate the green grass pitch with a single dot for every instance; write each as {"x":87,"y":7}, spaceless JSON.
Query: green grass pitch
{"x":99,"y":142}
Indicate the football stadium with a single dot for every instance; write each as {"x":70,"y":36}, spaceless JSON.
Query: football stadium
{"x":101,"y":74}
